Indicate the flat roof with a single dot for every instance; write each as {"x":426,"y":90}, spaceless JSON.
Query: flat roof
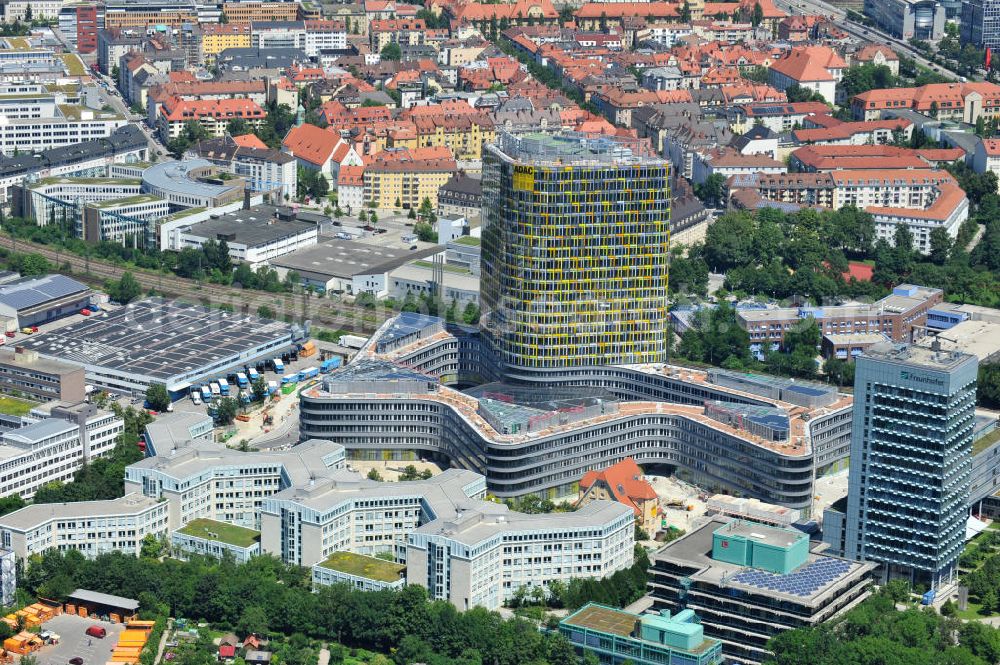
{"x":762,"y":533}
{"x":10,"y":357}
{"x":359,"y":565}
{"x":35,"y":432}
{"x":604,"y":619}
{"x":175,"y":177}
{"x":917,"y":355}
{"x":159,"y":339}
{"x":346,"y":258}
{"x":38,"y":513}
{"x":978,"y":338}
{"x":253,"y":227}
{"x":824,"y":575}
{"x":221,"y":532}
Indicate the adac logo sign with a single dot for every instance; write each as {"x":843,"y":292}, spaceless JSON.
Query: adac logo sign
{"x":524,"y":177}
{"x":922,"y":379}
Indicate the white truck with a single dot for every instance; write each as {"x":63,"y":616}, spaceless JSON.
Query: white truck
{"x":353,"y":341}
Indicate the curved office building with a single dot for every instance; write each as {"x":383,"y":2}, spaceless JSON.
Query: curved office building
{"x":725,"y":431}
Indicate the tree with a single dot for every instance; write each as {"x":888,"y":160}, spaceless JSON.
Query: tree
{"x":9,"y":504}
{"x":391,"y":51}
{"x":685,"y":12}
{"x":470,"y":315}
{"x":839,"y":371}
{"x":259,"y":388}
{"x":712,"y":190}
{"x":265,"y":312}
{"x":157,"y":397}
{"x":940,"y":246}
{"x":30,"y":265}
{"x":125,"y":290}
{"x":425,"y":232}
{"x":152,"y":547}
{"x":226,"y":410}
{"x":253,"y":621}
{"x":757,"y":16}
{"x":373,"y":474}
{"x":238,"y":127}
{"x":409,"y":473}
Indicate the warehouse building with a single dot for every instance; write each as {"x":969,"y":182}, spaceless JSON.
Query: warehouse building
{"x":32,"y":301}
{"x":255,"y":235}
{"x":161,"y":341}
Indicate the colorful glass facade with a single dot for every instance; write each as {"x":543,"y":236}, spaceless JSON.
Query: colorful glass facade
{"x":575,"y":242}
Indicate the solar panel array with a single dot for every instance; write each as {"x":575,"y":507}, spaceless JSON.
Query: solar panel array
{"x":34,"y":291}
{"x":805,"y":581}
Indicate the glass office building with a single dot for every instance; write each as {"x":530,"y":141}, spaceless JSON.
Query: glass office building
{"x":910,"y":461}
{"x":575,"y":241}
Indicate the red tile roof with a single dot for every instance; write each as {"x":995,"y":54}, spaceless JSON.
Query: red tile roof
{"x":178,"y":110}
{"x":311,"y":143}
{"x":351,"y":176}
{"x":624,"y":481}
{"x":249,"y":141}
{"x":809,"y":63}
{"x":617,"y":10}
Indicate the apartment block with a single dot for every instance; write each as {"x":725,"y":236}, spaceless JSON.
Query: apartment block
{"x":216,"y":38}
{"x":89,"y":527}
{"x":214,"y":115}
{"x":408,"y":176}
{"x":37,"y":120}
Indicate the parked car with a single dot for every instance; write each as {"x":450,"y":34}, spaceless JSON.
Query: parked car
{"x":76,"y":660}
{"x":97,"y":631}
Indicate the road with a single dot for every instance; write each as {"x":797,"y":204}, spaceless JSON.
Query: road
{"x":818,"y":7}
{"x":329,"y":313}
{"x":118,"y":103}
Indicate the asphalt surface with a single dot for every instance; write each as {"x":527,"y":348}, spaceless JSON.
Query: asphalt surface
{"x":74,"y":642}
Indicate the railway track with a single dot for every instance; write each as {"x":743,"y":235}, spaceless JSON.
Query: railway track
{"x":299,"y":307}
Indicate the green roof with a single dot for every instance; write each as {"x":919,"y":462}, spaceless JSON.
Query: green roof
{"x":364,"y":566}
{"x":981,"y":444}
{"x":15,"y":407}
{"x":74,"y":64}
{"x":128,"y":200}
{"x":445,"y":267}
{"x":468,"y":240}
{"x":221,"y":532}
{"x":180,"y":214}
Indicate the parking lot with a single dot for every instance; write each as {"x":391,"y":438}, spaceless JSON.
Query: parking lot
{"x":73,"y":641}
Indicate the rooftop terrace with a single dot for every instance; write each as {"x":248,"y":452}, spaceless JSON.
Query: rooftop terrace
{"x":364,"y":566}
{"x":221,"y":532}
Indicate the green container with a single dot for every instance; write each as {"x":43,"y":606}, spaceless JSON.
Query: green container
{"x":288,"y":389}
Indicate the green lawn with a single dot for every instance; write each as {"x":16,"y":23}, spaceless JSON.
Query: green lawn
{"x":221,"y":532}
{"x":364,"y":566}
{"x":468,"y":240}
{"x":15,"y":407}
{"x":972,"y":613}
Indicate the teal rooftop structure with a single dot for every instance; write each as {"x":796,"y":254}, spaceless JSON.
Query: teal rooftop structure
{"x":769,"y":548}
{"x":644,"y":639}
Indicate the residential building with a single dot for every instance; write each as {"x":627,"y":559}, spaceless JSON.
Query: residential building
{"x":966,"y":102}
{"x":264,"y":170}
{"x":748,"y":582}
{"x":216,"y":38}
{"x":877,"y":55}
{"x":79,"y":24}
{"x":462,"y":195}
{"x":815,"y":68}
{"x":908,"y":19}
{"x":776,"y":117}
{"x":89,"y":527}
{"x":645,"y":639}
{"x":408,"y":176}
{"x":987,"y":156}
{"x":214,"y":115}
{"x":907,"y":502}
{"x":24,"y":372}
{"x":624,"y":482}
{"x":315,"y":148}
{"x":629,"y":298}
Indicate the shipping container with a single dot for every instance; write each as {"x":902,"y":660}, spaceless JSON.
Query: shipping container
{"x":352,"y":341}
{"x":224,"y":386}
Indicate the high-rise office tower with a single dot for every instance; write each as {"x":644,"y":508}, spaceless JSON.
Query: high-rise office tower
{"x":980,"y":24}
{"x":574,"y":254}
{"x":910,"y":461}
